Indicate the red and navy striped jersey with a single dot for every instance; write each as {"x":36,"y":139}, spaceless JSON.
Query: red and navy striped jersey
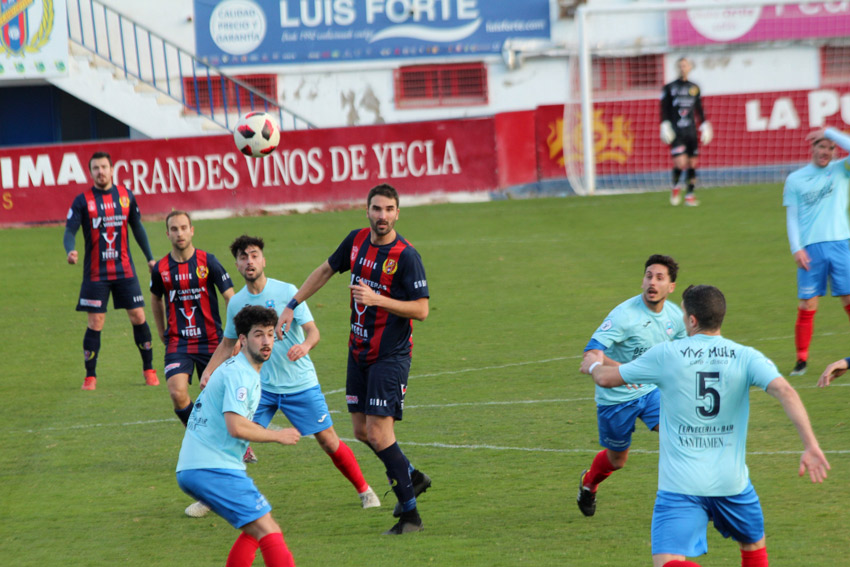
{"x":192,"y":320}
{"x":104,"y":218}
{"x":393,"y":269}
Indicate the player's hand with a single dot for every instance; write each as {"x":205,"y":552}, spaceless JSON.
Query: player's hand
{"x":815,"y":135}
{"x":815,"y":462}
{"x":832,"y":372}
{"x":151,"y":265}
{"x":590,"y":357}
{"x":205,"y":377}
{"x":667,"y":132}
{"x":72,"y":257}
{"x":296,"y":352}
{"x":706,"y":133}
{"x":288,"y":436}
{"x":801,"y":257}
{"x":363,"y":294}
{"x":283,"y":322}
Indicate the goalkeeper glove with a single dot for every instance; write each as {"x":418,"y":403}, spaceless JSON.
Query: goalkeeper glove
{"x":667,"y":132}
{"x":706,"y":133}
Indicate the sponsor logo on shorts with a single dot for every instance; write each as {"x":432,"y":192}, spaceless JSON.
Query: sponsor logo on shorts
{"x":322,"y":419}
{"x":351,"y":399}
{"x":172,"y":366}
{"x":91,"y":302}
{"x":377,"y":402}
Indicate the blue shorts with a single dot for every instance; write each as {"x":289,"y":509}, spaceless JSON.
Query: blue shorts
{"x":94,"y":296}
{"x":185,"y":363}
{"x":617,"y":423}
{"x":230,"y":493}
{"x":307,"y":411}
{"x":829,"y":260}
{"x":680,"y":521}
{"x":377,"y":388}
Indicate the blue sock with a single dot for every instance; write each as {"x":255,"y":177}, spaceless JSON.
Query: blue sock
{"x":398,"y":473}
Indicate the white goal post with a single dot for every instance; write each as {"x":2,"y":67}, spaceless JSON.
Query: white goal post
{"x":768,"y":72}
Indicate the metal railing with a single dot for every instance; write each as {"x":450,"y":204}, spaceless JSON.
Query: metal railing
{"x":140,"y":53}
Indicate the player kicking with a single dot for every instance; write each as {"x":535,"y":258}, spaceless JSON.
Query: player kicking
{"x":680,"y":105}
{"x":210,"y":466}
{"x":627,"y":332}
{"x":815,"y":198}
{"x":185,"y":308}
{"x":105,"y":212}
{"x":289,"y":379}
{"x":704,"y":381}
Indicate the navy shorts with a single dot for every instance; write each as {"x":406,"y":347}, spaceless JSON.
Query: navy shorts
{"x":126,"y":294}
{"x":685,"y":143}
{"x":185,"y":363}
{"x":377,"y":388}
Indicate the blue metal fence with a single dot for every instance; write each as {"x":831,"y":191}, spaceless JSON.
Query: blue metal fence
{"x":140,"y":53}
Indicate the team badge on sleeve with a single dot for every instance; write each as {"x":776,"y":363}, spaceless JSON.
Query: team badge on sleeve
{"x":242,"y":394}
{"x":606,"y":324}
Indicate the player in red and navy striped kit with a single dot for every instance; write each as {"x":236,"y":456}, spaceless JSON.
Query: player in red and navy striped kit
{"x":185,"y":308}
{"x":105,"y":212}
{"x":388,"y":290}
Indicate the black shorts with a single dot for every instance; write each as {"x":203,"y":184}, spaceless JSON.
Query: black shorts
{"x":377,"y":388}
{"x":685,"y":143}
{"x":185,"y":363}
{"x":94,"y":296}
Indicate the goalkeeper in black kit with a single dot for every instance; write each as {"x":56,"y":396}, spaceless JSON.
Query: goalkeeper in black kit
{"x":681,"y":106}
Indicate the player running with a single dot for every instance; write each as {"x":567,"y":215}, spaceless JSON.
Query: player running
{"x":185,"y":308}
{"x":289,"y":380}
{"x":705,"y":381}
{"x":627,"y":332}
{"x":104,"y":212}
{"x":681,"y":105}
{"x":210,"y":466}
{"x":815,"y":198}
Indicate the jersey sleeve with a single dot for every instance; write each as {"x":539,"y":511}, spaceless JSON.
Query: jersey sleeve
{"x":229,"y":327}
{"x":75,"y":216}
{"x":414,"y":282}
{"x":220,"y":276}
{"x":340,"y":260}
{"x":612,"y":330}
{"x":236,"y":393}
{"x":646,"y":368}
{"x":699,"y":111}
{"x":665,"y":104}
{"x":157,"y":287}
{"x":134,"y":219}
{"x":302,"y":314}
{"x":761,"y":371}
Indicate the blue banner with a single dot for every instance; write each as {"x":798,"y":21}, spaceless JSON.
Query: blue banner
{"x":255,"y":32}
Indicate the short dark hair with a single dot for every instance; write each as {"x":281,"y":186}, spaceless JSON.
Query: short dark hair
{"x":254,"y":315}
{"x":707,"y":304}
{"x":243,"y":242}
{"x":383,"y":190}
{"x":176,"y":213}
{"x":100,"y":155}
{"x":672,"y":266}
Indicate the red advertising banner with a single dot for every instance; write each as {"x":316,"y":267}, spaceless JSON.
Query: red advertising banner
{"x":750,"y":130}
{"x":37,"y":184}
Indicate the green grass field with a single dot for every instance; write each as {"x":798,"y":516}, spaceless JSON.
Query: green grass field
{"x":497,"y":412}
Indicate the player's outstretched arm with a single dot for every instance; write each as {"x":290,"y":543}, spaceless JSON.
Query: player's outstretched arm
{"x":222,"y":352}
{"x":605,"y":376}
{"x":812,"y":459}
{"x":241,"y":427}
{"x":832,"y":372}
{"x":314,"y":282}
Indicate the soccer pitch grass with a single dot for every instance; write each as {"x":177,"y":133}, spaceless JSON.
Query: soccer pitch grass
{"x":497,"y":412}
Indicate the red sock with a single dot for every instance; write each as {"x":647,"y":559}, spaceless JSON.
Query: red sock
{"x":847,"y":310}
{"x":275,"y":552}
{"x":681,"y":563}
{"x":346,"y":462}
{"x":599,"y":470}
{"x":756,"y":558}
{"x":243,"y":552}
{"x":803,"y":332}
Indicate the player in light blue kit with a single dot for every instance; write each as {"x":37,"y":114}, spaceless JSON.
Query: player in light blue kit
{"x":627,"y":332}
{"x":210,"y":466}
{"x":815,"y":198}
{"x":704,"y":382}
{"x":289,"y":379}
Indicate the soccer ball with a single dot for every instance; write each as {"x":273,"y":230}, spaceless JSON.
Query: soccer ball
{"x":256,"y":134}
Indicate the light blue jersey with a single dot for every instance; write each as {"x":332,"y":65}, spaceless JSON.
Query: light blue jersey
{"x":630,"y":330}
{"x":705,"y":386}
{"x":820,"y":197}
{"x":279,"y":375}
{"x":233,"y":387}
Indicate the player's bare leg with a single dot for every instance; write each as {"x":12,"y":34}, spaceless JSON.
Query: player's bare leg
{"x":178,"y":389}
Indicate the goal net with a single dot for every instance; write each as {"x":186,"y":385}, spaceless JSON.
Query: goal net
{"x":768,"y":74}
